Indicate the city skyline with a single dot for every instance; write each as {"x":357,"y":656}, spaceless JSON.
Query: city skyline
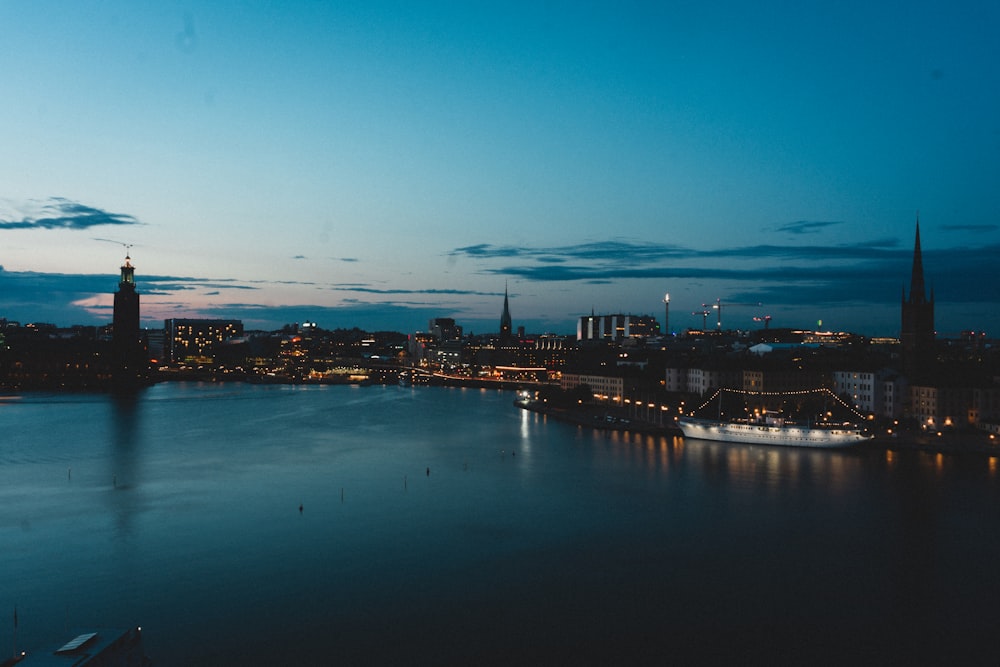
{"x":376,"y":165}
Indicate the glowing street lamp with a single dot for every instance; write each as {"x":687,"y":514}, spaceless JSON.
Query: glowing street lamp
{"x":666,"y":313}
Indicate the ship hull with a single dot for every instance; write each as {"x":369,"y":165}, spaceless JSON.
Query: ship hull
{"x":762,"y":434}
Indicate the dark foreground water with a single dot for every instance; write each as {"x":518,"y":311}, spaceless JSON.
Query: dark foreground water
{"x":529,"y":541}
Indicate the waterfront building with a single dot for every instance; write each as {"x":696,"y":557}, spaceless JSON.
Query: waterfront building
{"x":893,"y":395}
{"x":195,"y":339}
{"x":702,"y":380}
{"x":879,"y":393}
{"x":44,"y":357}
{"x":944,"y":406}
{"x":780,"y":380}
{"x":986,"y":412}
{"x":675,"y":380}
{"x":699,"y":380}
{"x":861,"y":387}
{"x":610,"y":387}
{"x":930,"y":406}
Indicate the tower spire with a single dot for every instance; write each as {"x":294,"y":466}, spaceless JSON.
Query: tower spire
{"x":505,"y":320}
{"x":127,"y":342}
{"x":917,"y":331}
{"x":918,"y":294}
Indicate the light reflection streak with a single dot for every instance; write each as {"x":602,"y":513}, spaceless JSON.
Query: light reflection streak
{"x":776,"y":469}
{"x":123,"y":479}
{"x":653,"y":452}
{"x":526,"y":428}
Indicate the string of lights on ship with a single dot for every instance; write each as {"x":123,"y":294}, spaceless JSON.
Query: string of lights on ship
{"x":802,"y":392}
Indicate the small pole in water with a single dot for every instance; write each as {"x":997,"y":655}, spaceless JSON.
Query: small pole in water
{"x":69,"y":473}
{"x":300,"y":508}
{"x":428,"y":471}
{"x":404,"y":482}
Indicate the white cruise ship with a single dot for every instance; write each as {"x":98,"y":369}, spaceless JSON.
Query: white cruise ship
{"x":772,"y":430}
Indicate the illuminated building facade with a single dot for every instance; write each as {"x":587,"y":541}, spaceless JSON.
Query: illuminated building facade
{"x":700,"y":380}
{"x":613,"y":328}
{"x":614,"y":387}
{"x":948,"y":407}
{"x":195,"y":339}
{"x":878,"y":393}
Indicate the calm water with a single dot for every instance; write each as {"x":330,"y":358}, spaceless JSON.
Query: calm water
{"x":530,"y":541}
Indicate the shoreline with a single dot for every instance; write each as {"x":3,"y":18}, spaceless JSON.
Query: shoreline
{"x":955,"y":442}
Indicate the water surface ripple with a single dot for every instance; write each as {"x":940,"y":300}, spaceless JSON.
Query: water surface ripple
{"x":444,"y":526}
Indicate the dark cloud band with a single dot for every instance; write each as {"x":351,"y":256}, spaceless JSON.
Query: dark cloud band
{"x":62,"y":213}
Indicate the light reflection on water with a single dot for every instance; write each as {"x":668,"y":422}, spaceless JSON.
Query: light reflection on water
{"x":770,"y":468}
{"x":447,"y":512}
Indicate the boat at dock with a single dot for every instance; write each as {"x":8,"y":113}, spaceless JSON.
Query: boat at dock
{"x":784,"y":434}
{"x":768,"y":427}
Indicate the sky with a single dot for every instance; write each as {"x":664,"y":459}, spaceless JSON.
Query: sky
{"x":377,"y":164}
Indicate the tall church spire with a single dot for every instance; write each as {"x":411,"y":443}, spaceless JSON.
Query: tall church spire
{"x":917,"y":331}
{"x":918,"y":294}
{"x":505,"y":321}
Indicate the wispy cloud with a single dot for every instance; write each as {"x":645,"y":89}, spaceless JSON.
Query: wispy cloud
{"x":785,"y":274}
{"x":614,"y":250}
{"x":807,"y":226}
{"x":391,"y":292}
{"x":632,"y":254}
{"x":59,"y":213}
{"x":970,"y":228}
{"x":862,"y":274}
{"x":28,"y":287}
{"x":869,"y":271}
{"x":166,"y":284}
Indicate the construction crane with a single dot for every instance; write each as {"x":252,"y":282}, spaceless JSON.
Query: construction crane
{"x":766,"y":319}
{"x":717,"y":306}
{"x":704,"y":317}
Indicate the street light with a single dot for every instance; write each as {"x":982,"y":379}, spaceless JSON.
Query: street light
{"x":666,"y":314}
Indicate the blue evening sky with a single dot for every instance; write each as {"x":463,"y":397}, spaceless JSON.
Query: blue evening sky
{"x":376,"y":164}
